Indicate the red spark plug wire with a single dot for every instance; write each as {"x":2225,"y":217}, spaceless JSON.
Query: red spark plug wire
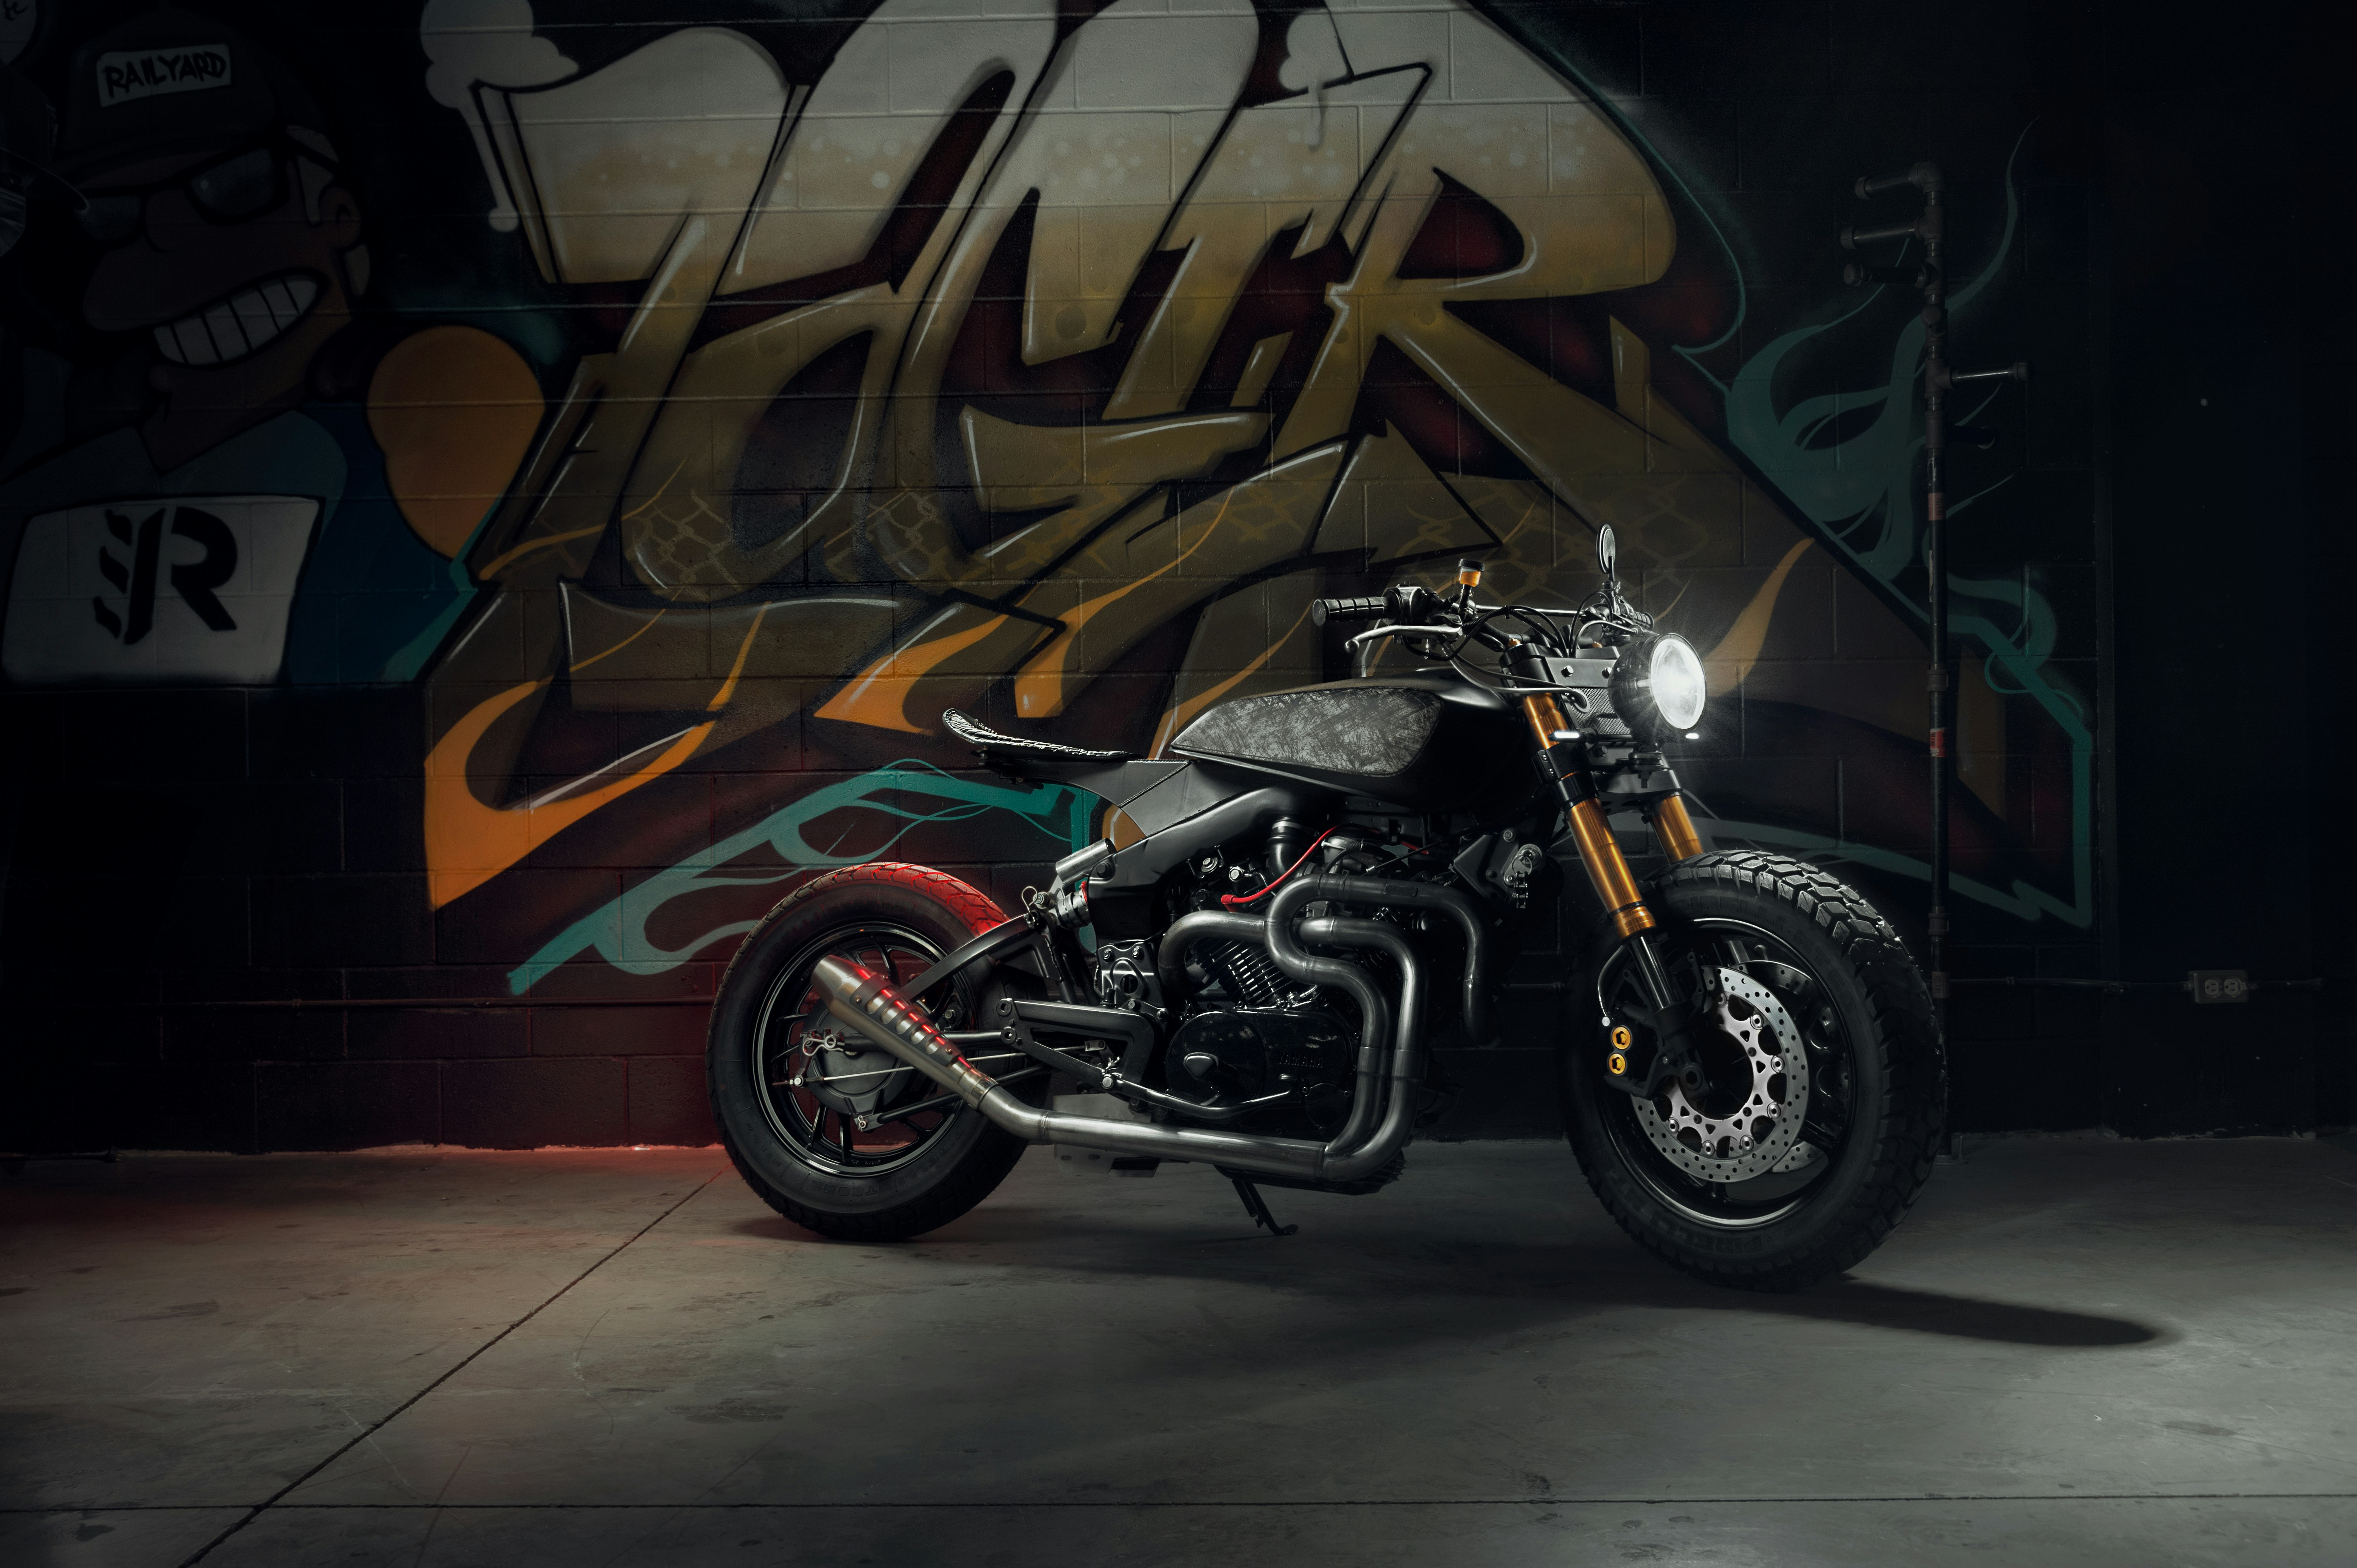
{"x":1238,"y":900}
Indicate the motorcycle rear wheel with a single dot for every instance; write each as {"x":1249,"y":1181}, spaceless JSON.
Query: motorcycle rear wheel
{"x":1875,"y":1101}
{"x":810,"y":1160}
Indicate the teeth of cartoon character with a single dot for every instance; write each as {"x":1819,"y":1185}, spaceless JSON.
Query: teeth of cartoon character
{"x":289,"y":298}
{"x":227,"y":336}
{"x":238,"y":326}
{"x":196,"y":344}
{"x":253,"y":317}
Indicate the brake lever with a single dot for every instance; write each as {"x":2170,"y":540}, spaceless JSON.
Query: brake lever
{"x":1404,"y":631}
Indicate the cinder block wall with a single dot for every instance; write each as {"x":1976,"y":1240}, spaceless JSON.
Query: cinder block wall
{"x":497,"y":494}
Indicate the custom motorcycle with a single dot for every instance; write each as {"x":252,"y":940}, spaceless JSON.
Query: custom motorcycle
{"x":1249,"y":968}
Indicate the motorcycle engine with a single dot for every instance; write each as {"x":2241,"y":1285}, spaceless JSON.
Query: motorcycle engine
{"x":1271,"y":1037}
{"x":1250,"y":1053}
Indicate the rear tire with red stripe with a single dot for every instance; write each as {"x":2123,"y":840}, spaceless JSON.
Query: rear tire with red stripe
{"x":789,"y":1089}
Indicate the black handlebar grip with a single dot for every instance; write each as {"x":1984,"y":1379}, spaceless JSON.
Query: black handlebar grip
{"x":1323,"y":610}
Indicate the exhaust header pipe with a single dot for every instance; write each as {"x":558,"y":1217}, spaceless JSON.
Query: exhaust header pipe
{"x":868,"y":1006}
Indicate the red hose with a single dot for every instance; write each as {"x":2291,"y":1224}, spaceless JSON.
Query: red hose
{"x":1238,"y":900}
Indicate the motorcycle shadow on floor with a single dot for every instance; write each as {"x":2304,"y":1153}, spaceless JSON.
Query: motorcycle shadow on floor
{"x":1427,"y":1270}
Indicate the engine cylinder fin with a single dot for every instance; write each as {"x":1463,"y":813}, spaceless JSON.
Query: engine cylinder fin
{"x":1248,"y":973}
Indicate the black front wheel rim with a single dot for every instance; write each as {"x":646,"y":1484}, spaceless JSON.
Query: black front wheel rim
{"x":1829,"y":1116}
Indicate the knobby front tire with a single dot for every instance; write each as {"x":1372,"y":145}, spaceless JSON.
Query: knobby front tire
{"x":1879,"y":1088}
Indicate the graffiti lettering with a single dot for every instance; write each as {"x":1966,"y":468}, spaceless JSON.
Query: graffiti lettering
{"x":1071,"y":332}
{"x":138,"y":585}
{"x":185,"y":590}
{"x":194,"y":581}
{"x":793,"y":375}
{"x":145,"y":74}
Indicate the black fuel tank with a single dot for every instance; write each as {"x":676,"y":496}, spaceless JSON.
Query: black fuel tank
{"x":1429,"y":743}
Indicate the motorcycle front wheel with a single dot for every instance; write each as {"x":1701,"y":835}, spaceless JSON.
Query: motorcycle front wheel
{"x":830,"y":1132}
{"x":1826,"y":1094}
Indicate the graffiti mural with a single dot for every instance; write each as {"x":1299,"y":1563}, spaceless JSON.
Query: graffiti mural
{"x":685,"y":415}
{"x":259,"y":520}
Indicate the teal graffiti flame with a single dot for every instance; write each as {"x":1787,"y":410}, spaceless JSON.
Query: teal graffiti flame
{"x":1859,"y":491}
{"x":618,"y":931}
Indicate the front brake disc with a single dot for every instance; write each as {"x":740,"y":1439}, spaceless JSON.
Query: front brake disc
{"x":1754,"y":1136}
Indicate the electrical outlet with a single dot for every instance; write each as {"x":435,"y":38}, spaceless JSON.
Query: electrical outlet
{"x":2215,"y":987}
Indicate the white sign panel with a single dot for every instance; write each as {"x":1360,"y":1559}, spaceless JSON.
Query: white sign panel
{"x":192,"y":588}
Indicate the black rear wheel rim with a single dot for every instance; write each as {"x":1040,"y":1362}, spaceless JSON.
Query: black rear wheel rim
{"x":1829,"y":1120}
{"x":821,"y":1137}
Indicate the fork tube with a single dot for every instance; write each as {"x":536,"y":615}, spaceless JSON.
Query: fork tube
{"x":1607,"y":868}
{"x":1675,"y":829}
{"x":1566,"y":763}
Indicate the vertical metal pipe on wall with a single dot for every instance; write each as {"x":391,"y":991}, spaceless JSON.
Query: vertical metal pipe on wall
{"x":1940,"y":679}
{"x":1940,"y":378}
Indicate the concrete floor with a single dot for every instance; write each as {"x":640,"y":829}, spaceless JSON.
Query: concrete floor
{"x":2074,"y":1352}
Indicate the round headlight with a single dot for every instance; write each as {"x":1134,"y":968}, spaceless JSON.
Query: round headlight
{"x":1658,"y":686}
{"x":1677,"y":682}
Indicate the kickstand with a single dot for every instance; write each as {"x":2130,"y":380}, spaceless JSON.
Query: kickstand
{"x":1257,"y":1207}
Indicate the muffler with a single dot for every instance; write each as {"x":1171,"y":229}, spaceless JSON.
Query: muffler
{"x":866,"y":1004}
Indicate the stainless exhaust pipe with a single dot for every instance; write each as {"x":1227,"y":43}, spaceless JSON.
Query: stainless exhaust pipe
{"x":1310,"y":885}
{"x":1375,"y":1010}
{"x":866,"y":1004}
{"x":1344,"y":1162}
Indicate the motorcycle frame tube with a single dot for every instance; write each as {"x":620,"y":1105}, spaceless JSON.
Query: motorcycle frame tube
{"x":1675,"y":829}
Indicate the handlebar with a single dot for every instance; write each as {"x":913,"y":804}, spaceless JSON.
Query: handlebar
{"x":1324,"y":610}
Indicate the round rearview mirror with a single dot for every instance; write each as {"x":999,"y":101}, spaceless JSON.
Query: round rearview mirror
{"x":1607,"y":551}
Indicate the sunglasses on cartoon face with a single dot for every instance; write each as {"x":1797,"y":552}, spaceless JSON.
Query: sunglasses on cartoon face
{"x":231,"y":188}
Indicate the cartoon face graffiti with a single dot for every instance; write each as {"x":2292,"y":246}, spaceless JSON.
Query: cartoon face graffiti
{"x":227,"y":235}
{"x":262,"y":520}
